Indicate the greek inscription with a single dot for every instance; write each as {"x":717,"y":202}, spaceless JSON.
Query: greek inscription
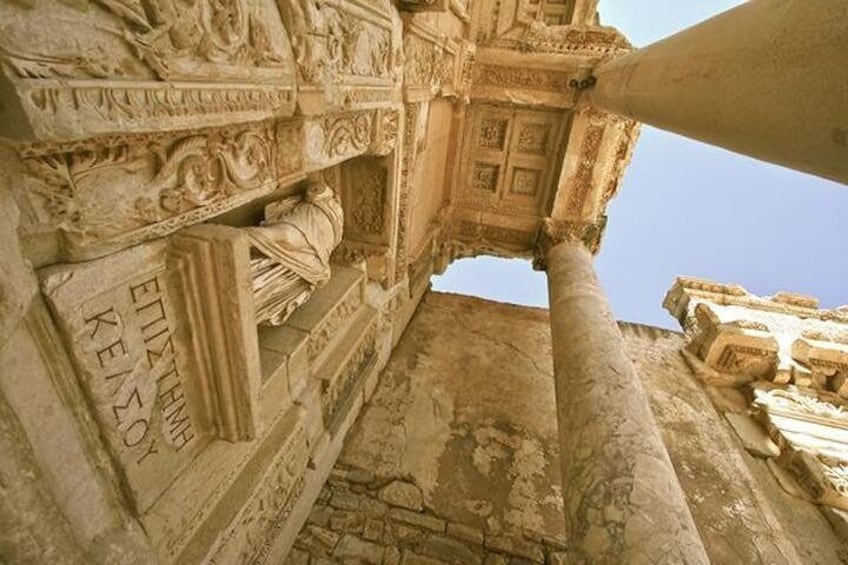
{"x":156,"y":333}
{"x":151,"y":450}
{"x":135,"y":435}
{"x":118,"y":357}
{"x":101,"y":318}
{"x":111,"y":350}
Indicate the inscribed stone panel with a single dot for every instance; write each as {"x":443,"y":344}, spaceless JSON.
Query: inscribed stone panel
{"x":117,"y":320}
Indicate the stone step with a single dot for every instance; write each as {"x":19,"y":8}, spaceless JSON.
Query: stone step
{"x":289,"y":353}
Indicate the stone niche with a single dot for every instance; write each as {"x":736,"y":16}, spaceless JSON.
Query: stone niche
{"x":210,"y":418}
{"x":364,"y":185}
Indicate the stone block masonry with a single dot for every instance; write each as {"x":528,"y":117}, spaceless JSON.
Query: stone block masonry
{"x":353,"y":522}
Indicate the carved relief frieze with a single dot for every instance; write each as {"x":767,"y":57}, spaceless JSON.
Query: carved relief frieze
{"x":289,"y":137}
{"x":581,"y":184}
{"x":335,"y":320}
{"x":465,"y":67}
{"x":525,"y":182}
{"x":628,"y":133}
{"x":521,"y":78}
{"x":492,"y":133}
{"x":467,"y":238}
{"x":545,"y":27}
{"x":366,"y":196}
{"x":786,"y":339}
{"x":432,"y":62}
{"x":421,"y":61}
{"x":415,"y":121}
{"x":135,"y":68}
{"x":827,"y":359}
{"x":509,"y":160}
{"x":348,"y":54}
{"x":334,"y":138}
{"x":386,"y":134}
{"x":105,"y":194}
{"x":332,"y":40}
{"x":810,"y":430}
{"x":376,"y":258}
{"x":347,"y":134}
{"x":267,"y":508}
{"x":533,"y":138}
{"x":792,"y":358}
{"x":486,"y":176}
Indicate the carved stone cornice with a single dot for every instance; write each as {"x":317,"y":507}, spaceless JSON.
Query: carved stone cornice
{"x":687,"y":289}
{"x":554,"y":232}
{"x":791,"y":358}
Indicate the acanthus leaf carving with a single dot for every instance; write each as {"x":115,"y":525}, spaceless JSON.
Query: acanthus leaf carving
{"x":555,"y":232}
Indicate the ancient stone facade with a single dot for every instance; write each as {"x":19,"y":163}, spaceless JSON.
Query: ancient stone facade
{"x":149,"y":415}
{"x":218,"y":219}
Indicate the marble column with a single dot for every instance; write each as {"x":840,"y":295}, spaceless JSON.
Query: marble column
{"x":623,"y":502}
{"x":767,"y":79}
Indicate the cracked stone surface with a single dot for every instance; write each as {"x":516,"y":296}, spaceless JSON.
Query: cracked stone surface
{"x":465,"y":411}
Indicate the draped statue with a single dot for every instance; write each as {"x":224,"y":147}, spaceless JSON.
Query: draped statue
{"x":291,"y":251}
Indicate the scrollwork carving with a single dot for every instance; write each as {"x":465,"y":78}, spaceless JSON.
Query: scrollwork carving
{"x":131,"y":188}
{"x":348,"y":133}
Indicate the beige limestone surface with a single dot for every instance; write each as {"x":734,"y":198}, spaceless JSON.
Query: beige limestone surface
{"x":742,"y":514}
{"x":455,"y":457}
{"x":464,"y":411}
{"x":145,"y":415}
{"x":436,"y":469}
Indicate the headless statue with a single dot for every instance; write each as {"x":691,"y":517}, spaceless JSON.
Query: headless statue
{"x":292,"y":250}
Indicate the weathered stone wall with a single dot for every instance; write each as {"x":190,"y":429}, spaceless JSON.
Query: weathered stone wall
{"x":455,"y":458}
{"x":742,"y":513}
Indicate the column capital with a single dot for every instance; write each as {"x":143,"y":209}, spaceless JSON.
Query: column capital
{"x":553,"y":232}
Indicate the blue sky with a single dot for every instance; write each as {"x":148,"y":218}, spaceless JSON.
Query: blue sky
{"x":689,"y":208}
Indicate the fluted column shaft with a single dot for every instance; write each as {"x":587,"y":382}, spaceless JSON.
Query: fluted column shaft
{"x":766,"y":79}
{"x":623,"y":502}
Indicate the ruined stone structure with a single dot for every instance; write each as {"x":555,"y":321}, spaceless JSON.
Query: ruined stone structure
{"x":220,"y":216}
